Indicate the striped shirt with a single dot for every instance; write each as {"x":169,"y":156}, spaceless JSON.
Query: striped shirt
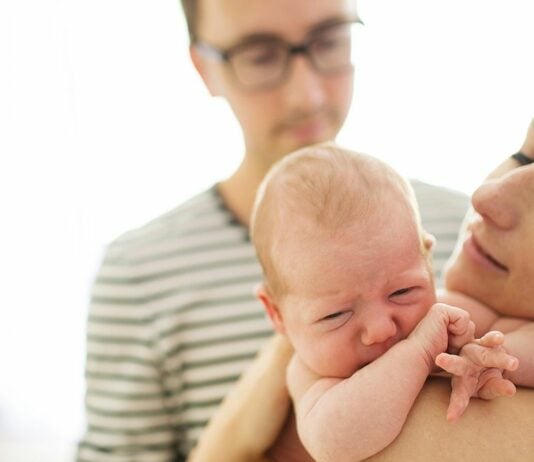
{"x":173,"y":322}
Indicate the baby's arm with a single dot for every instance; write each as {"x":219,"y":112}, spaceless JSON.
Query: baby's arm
{"x":354,"y":418}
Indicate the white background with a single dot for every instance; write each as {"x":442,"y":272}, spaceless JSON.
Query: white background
{"x":103,"y":125}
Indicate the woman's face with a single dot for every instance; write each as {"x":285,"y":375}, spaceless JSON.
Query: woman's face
{"x":495,"y":264}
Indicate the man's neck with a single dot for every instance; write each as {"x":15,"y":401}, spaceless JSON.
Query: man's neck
{"x":239,"y":191}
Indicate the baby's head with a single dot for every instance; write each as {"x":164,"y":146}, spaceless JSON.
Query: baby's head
{"x":347,"y":270}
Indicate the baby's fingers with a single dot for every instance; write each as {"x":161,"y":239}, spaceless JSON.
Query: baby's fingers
{"x":491,"y":357}
{"x":460,"y":334}
{"x":496,"y":387}
{"x":491,"y":339}
{"x":459,"y":401}
{"x":455,"y":365}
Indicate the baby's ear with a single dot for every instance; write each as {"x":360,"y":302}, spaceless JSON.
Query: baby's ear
{"x":429,"y":241}
{"x":272,"y":309}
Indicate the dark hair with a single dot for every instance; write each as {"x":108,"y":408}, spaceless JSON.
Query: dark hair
{"x":190,"y":8}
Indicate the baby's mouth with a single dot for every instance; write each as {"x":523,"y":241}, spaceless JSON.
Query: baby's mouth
{"x":489,"y":257}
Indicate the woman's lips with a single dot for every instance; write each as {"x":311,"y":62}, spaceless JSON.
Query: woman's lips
{"x":479,"y":255}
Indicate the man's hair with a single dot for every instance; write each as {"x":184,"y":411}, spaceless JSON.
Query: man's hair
{"x":329,"y":188}
{"x":190,"y":8}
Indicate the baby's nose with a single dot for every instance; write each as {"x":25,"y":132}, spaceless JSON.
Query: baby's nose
{"x":378,"y":329}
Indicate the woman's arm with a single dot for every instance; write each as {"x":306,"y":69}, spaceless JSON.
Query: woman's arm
{"x":520,"y":343}
{"x":251,"y":416}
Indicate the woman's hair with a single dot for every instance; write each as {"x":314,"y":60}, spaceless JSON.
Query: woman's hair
{"x":326,"y":188}
{"x":190,"y":8}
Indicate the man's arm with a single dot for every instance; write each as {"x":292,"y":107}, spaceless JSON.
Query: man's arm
{"x":124,"y":405}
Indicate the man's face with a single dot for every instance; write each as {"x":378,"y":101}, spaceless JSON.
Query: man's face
{"x":306,"y":107}
{"x":495,"y":264}
{"x":353,"y":296}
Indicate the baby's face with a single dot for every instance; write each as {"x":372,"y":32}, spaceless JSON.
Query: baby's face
{"x":354,"y":295}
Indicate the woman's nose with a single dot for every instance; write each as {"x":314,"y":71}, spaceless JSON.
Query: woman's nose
{"x":494,"y":201}
{"x":378,"y":328}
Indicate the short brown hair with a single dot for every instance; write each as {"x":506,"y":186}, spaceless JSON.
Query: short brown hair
{"x":190,"y":8}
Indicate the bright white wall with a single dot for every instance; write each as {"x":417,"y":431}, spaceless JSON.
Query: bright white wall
{"x":103,"y":126}
{"x":445,"y":88}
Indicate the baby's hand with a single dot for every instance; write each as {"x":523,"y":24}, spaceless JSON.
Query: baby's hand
{"x":478,"y":372}
{"x":444,"y":325}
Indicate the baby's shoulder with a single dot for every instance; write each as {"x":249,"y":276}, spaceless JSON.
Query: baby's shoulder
{"x":301,"y":380}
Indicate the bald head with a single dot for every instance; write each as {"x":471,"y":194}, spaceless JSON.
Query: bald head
{"x":322,"y":188}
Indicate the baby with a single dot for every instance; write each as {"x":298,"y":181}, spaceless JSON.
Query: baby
{"x":348,"y":279}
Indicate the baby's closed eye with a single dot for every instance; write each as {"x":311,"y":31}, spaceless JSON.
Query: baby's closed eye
{"x":407,"y":295}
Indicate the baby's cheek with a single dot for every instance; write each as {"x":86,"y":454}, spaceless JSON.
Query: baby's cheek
{"x":338,"y":360}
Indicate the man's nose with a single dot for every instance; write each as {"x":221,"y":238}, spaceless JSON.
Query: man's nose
{"x":378,"y":328}
{"x":494,"y":201}
{"x":304,"y":85}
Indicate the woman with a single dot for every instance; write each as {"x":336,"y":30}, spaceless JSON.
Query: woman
{"x":251,"y":417}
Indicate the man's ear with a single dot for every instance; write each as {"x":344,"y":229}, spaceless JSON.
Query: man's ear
{"x":272,"y":309}
{"x":205,"y":71}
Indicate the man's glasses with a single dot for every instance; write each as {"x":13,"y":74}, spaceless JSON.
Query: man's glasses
{"x":263,"y":62}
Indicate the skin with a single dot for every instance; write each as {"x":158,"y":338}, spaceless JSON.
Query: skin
{"x":490,"y":430}
{"x":306,"y":108}
{"x":504,"y":428}
{"x":501,"y":228}
{"x":492,"y":268}
{"x":325,"y":312}
{"x":493,"y":431}
{"x":364,"y":291}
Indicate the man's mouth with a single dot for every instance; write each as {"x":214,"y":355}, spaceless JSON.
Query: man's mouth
{"x":485,"y":255}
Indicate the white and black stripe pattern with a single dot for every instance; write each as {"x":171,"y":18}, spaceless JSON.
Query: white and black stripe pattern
{"x":173,"y":323}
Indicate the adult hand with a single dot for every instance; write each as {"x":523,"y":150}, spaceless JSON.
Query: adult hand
{"x":252,"y":415}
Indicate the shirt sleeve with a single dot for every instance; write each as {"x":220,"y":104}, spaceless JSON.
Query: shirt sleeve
{"x":126,"y":416}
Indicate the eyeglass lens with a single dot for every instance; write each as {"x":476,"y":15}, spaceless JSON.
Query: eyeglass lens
{"x":266,"y":62}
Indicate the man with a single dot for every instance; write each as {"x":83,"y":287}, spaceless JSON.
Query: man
{"x":173,"y":319}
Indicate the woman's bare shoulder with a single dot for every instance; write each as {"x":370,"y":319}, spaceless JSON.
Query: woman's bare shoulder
{"x":495,"y":430}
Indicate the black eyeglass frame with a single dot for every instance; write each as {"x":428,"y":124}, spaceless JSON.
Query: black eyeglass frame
{"x":225,"y":55}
